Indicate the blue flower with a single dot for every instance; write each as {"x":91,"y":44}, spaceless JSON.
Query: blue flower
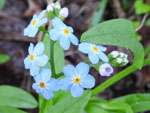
{"x":36,"y":58}
{"x":95,"y":52}
{"x":77,"y":78}
{"x":34,"y":25}
{"x":62,"y":33}
{"x":44,"y":84}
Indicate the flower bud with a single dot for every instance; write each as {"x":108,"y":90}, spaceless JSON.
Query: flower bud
{"x":57,"y":5}
{"x":64,"y":12}
{"x":121,"y":54}
{"x":105,"y":69}
{"x":119,"y":60}
{"x":114,"y":54}
{"x":50,"y":7}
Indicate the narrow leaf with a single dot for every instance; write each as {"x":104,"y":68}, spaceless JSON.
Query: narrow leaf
{"x":16,"y":97}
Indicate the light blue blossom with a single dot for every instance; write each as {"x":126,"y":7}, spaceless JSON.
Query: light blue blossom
{"x":62,"y":33}
{"x":44,"y":84}
{"x":105,"y":69}
{"x":36,"y":58}
{"x":95,"y":52}
{"x":77,"y":78}
{"x":34,"y":25}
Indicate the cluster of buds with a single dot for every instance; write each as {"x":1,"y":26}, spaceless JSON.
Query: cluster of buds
{"x":54,"y":9}
{"x":118,"y":59}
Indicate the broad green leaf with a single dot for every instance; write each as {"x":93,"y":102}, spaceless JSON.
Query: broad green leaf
{"x":91,"y":108}
{"x":117,"y":106}
{"x":2,"y":2}
{"x":138,"y":102}
{"x":141,"y":7}
{"x":4,"y":58}
{"x":8,"y":109}
{"x":116,"y":32}
{"x":16,"y":97}
{"x":70,"y":104}
{"x":58,"y":54}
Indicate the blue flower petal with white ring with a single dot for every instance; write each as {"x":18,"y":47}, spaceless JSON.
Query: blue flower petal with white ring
{"x":36,"y":58}
{"x":63,"y":34}
{"x":37,"y":21}
{"x":77,"y":78}
{"x":94,"y":51}
{"x":44,"y":84}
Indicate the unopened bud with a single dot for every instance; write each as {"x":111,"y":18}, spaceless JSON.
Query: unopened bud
{"x":64,"y":12}
{"x":50,"y":7}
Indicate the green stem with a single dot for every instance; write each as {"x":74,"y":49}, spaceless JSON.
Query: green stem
{"x":43,"y":106}
{"x":117,"y":77}
{"x":52,"y":57}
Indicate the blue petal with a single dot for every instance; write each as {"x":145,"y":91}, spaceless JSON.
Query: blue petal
{"x":45,"y":74}
{"x":76,"y":90}
{"x":69,"y":71}
{"x":52,"y":85}
{"x":64,"y":42}
{"x":41,"y":15}
{"x":57,"y":23}
{"x":55,"y":34}
{"x":37,"y":78}
{"x":26,"y":31}
{"x":65,"y":84}
{"x":103,"y":57}
{"x":39,"y":48}
{"x":70,"y":29}
{"x":33,"y":18}
{"x":34,"y":70}
{"x":88,"y":81}
{"x":42,"y":21}
{"x":82,"y":69}
{"x":30,"y":49}
{"x":84,"y":47}
{"x":101,"y":48}
{"x":47,"y":94}
{"x":27,"y":62}
{"x":93,"y":57}
{"x":33,"y":32}
{"x":41,"y":60}
{"x":36,"y":87}
{"x":74,"y":39}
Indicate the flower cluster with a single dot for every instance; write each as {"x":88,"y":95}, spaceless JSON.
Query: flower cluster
{"x":118,"y":59}
{"x":76,"y":78}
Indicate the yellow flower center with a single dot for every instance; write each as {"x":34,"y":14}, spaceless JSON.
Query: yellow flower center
{"x":42,"y":84}
{"x":77,"y":80}
{"x":66,"y":31}
{"x":95,"y":49}
{"x":34,"y":22}
{"x":32,"y":57}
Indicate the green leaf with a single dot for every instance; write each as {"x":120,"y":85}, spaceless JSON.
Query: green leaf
{"x":116,"y":32}
{"x":138,"y":102}
{"x":58,"y":54}
{"x":2,"y":3}
{"x":141,"y":7}
{"x":8,"y":109}
{"x":4,"y":58}
{"x":97,"y":100}
{"x":58,"y":58}
{"x":117,"y":106}
{"x":69,"y":104}
{"x":91,"y":108}
{"x":16,"y":97}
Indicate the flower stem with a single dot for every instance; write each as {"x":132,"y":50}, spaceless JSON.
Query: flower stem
{"x":43,"y":106}
{"x":117,"y":77}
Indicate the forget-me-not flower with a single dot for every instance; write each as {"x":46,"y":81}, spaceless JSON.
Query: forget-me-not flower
{"x":36,"y":58}
{"x":77,"y":78}
{"x":44,"y":84}
{"x":62,"y":33}
{"x":105,"y":69}
{"x":94,"y":51}
{"x":35,"y":23}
